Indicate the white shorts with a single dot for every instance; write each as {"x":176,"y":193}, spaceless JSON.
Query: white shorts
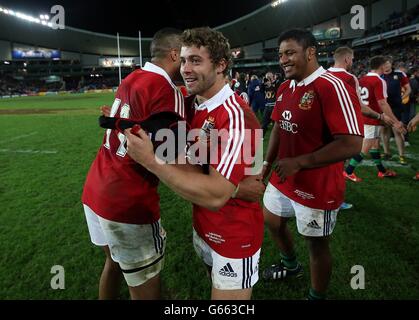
{"x":228,"y":273}
{"x":139,"y":249}
{"x":371,"y":132}
{"x":310,"y":222}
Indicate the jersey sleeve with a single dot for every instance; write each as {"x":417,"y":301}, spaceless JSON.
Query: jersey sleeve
{"x":159,"y":96}
{"x":404,"y":80}
{"x":232,"y":140}
{"x":357,"y":89}
{"x":341,"y":108}
{"x":380,"y":90}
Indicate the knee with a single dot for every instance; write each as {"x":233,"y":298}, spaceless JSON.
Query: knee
{"x":317,"y":245}
{"x":112,"y":265}
{"x":275,"y":224}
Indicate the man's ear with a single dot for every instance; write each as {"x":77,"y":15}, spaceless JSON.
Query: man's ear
{"x":174,"y":55}
{"x":311,"y":53}
{"x":221,"y":66}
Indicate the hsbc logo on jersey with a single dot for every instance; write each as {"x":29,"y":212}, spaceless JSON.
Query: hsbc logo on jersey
{"x":287,"y":115}
{"x":286,"y":124}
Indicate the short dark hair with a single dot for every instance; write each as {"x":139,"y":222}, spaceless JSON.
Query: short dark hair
{"x":377,"y":61}
{"x":303,"y":37}
{"x":163,"y":41}
{"x":215,"y":42}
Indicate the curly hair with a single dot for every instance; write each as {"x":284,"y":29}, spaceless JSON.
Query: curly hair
{"x":215,"y":42}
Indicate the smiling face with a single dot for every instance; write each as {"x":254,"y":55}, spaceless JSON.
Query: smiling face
{"x":199,"y":73}
{"x":293,"y":58}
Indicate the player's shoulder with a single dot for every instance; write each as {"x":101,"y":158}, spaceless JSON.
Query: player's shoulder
{"x":146,"y":79}
{"x":231,"y":105}
{"x":368,"y":78}
{"x":328,"y":81}
{"x":233,"y":109}
{"x":284,"y":85}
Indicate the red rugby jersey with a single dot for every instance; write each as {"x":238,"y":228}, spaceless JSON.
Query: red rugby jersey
{"x":117,"y":188}
{"x":236,"y":230}
{"x":309,"y":114}
{"x":373,"y":89}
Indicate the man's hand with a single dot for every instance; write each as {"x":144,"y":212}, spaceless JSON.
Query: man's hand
{"x":387,"y":120}
{"x":140,"y":147}
{"x":287,"y":167}
{"x":105,"y":111}
{"x":251,"y":189}
{"x":413,"y":123}
{"x":399,"y":126}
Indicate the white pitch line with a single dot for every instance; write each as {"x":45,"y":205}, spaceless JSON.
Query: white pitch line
{"x":19,"y":137}
{"x":29,"y":151}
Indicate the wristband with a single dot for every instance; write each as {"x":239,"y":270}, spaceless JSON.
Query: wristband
{"x":236,"y":191}
{"x":266,"y":163}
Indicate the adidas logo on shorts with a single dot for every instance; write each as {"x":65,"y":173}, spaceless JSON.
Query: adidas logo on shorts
{"x":228,"y":271}
{"x":313,"y":224}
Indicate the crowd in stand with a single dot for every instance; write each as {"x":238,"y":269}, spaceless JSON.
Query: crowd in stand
{"x":94,"y":83}
{"x":395,"y":21}
{"x":10,"y":86}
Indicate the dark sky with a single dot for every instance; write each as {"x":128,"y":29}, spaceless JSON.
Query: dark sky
{"x":127,"y":17}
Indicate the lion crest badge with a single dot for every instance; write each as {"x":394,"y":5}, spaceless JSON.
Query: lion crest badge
{"x":307,"y":100}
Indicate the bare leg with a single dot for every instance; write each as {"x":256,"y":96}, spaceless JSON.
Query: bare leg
{"x":240,"y":294}
{"x":111,"y":278}
{"x":149,"y":290}
{"x":320,"y":263}
{"x":279,"y":232}
{"x":385,"y":137}
{"x":399,"y":142}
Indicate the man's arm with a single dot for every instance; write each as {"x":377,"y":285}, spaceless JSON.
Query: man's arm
{"x":413,"y":123}
{"x":368,"y":112}
{"x":407,"y":91}
{"x":272,"y":152}
{"x":251,"y":189}
{"x":385,"y":107}
{"x":211,"y":191}
{"x":341,"y":148}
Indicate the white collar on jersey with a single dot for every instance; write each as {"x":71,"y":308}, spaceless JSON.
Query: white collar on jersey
{"x":333,"y":69}
{"x":400,"y":71}
{"x":216,"y":100}
{"x":151,"y":67}
{"x":309,"y":79}
{"x":373,"y":74}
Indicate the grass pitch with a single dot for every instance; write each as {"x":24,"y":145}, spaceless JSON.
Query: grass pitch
{"x":46,"y":147}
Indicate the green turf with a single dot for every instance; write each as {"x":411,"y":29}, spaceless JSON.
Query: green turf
{"x":44,"y":159}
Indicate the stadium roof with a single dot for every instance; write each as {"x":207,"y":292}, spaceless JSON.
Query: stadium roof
{"x":127,"y":17}
{"x":264,"y":23}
